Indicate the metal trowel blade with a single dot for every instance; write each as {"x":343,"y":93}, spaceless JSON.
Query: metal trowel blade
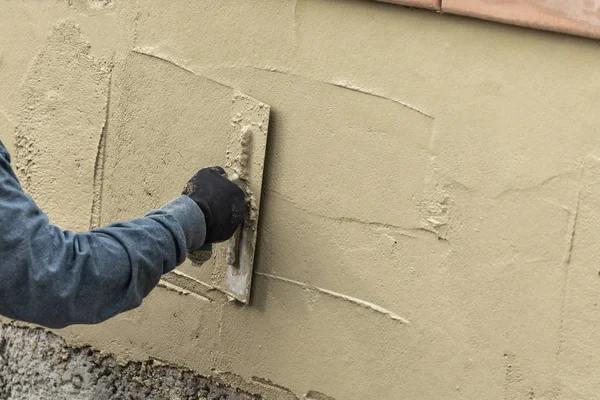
{"x":233,"y":262}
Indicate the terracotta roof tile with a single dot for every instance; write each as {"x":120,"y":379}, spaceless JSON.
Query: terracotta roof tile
{"x":576,"y":17}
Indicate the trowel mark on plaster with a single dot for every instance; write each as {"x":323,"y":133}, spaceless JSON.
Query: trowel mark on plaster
{"x":310,"y":395}
{"x":314,"y":395}
{"x":136,"y":27}
{"x":97,"y":186}
{"x":272,"y":385}
{"x":296,"y":24}
{"x":62,"y":112}
{"x":403,"y":231}
{"x":354,"y":300}
{"x":191,"y":278}
{"x":568,"y":254}
{"x":149,"y":51}
{"x":339,"y":84}
{"x":146,"y":51}
{"x":83,"y":5}
{"x":571,"y":235}
{"x":260,"y":386}
{"x":544,"y":183}
{"x":174,"y":288}
{"x":356,"y":88}
{"x":191,"y":284}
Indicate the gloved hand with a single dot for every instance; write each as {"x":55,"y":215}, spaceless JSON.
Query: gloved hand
{"x":222,"y":202}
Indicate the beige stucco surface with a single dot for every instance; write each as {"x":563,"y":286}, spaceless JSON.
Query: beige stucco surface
{"x":431,"y":193}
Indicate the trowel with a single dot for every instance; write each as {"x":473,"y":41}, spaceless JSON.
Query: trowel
{"x":245,"y":157}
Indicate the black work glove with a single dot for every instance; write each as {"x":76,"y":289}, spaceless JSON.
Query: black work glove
{"x":222,"y":202}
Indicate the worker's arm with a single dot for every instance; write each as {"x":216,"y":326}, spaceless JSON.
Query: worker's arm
{"x":56,"y":278}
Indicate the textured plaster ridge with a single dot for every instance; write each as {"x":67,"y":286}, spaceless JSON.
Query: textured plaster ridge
{"x":267,"y":68}
{"x":95,"y":214}
{"x":264,"y":387}
{"x":569,"y":251}
{"x":295,"y":17}
{"x":357,"y":88}
{"x":191,"y":278}
{"x":174,"y":288}
{"x":314,"y":395}
{"x":194,"y":285}
{"x":544,"y":183}
{"x":268,"y":383}
{"x":148,"y":51}
{"x":579,"y":313}
{"x":360,"y":302}
{"x":572,"y":229}
{"x":337,"y":83}
{"x":403,"y":231}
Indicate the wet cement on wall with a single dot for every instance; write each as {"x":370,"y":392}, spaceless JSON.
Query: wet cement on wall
{"x":427,"y":224}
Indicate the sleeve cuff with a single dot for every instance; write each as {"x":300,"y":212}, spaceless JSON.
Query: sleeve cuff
{"x":190,"y":218}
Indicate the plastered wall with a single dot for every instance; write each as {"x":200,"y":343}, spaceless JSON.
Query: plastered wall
{"x":429,"y":223}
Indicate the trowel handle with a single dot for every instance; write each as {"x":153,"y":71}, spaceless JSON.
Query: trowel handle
{"x":202,"y":255}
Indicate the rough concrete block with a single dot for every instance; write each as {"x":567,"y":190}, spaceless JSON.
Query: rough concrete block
{"x":170,"y":325}
{"x":35,"y":364}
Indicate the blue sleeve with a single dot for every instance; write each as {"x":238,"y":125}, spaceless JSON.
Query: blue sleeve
{"x":57,"y":278}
